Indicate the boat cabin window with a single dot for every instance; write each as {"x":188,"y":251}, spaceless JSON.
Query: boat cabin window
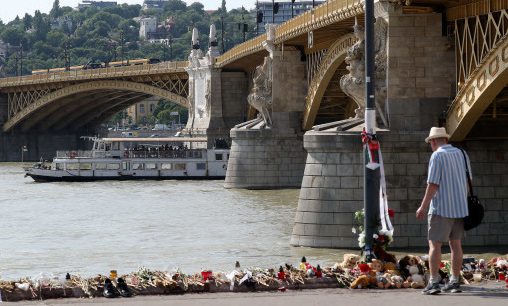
{"x":114,"y":166}
{"x":138,"y":166}
{"x":85,"y":166}
{"x":201,"y":166}
{"x":151,"y":166}
{"x":100,"y":166}
{"x":166,"y":166}
{"x":180,"y":166}
{"x":59,"y":166}
{"x":218,"y":156}
{"x":72,"y":166}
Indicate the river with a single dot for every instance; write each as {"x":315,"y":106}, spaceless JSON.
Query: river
{"x":92,"y":228}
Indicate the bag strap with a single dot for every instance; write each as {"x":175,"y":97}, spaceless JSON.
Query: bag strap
{"x":467,"y":174}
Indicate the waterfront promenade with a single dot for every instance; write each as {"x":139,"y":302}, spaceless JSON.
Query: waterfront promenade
{"x":483,"y":293}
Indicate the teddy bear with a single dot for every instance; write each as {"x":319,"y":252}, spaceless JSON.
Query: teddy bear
{"x":391,"y":268}
{"x":397,"y":281}
{"x":382,"y":255}
{"x":406,"y":261}
{"x":349,"y":262}
{"x":416,"y":279}
{"x":364,"y":281}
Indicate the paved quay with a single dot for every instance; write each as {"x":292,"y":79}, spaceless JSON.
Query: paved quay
{"x":482,"y":293}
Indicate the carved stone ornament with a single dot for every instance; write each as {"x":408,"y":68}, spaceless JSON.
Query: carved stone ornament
{"x":353,"y":84}
{"x":208,"y":97}
{"x":260,"y":96}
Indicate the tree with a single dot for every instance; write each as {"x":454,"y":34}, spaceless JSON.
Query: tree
{"x":12,"y":36}
{"x":55,"y":11}
{"x":174,"y":6}
{"x":27,"y":21}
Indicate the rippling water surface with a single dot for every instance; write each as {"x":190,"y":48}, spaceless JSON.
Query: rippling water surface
{"x":91,"y":228}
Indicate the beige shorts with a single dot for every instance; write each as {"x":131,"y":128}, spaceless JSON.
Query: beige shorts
{"x":442,"y":229}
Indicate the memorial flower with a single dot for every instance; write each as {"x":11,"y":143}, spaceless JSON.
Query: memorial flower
{"x":382,"y":237}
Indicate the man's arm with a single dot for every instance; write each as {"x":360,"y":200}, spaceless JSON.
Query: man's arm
{"x":429,"y":194}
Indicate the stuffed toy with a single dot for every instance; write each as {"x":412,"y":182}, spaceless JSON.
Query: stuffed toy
{"x":405,"y":262}
{"x":382,"y":255}
{"x":376,"y":265}
{"x":441,"y":276}
{"x":391,"y":268}
{"x":349,"y":262}
{"x":397,"y":281}
{"x":364,"y":281}
{"x":482,"y":266}
{"x":416,"y":279}
{"x":384,"y":281}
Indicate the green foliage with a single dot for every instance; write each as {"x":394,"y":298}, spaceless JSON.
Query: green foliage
{"x":99,"y":35}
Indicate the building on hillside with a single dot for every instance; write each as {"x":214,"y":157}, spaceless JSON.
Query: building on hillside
{"x":61,"y":22}
{"x":157,"y":5}
{"x":147,"y":25}
{"x":266,"y":8}
{"x":98,"y":4}
{"x":140,"y":112}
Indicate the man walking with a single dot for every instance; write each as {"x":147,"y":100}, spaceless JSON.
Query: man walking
{"x":446,"y":202}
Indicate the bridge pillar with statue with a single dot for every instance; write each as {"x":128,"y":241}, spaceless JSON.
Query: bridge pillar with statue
{"x":419,"y":71}
{"x":267,"y":152}
{"x":217,"y":99}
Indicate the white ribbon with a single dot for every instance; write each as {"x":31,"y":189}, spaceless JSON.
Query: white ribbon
{"x":386,"y":224}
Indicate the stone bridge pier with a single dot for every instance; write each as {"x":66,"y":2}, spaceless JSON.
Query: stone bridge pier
{"x":267,"y":152}
{"x":420,"y":75}
{"x":217,"y":99}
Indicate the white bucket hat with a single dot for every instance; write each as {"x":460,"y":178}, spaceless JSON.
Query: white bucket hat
{"x":437,"y":132}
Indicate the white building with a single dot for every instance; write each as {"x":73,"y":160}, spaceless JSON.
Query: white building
{"x":147,"y":25}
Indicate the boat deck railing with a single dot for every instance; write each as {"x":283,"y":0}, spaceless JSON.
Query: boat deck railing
{"x":131,"y":154}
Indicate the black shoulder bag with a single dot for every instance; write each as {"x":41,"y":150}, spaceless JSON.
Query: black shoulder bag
{"x":474,"y":206}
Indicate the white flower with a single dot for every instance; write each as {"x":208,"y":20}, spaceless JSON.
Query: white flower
{"x":375,"y":236}
{"x":354,"y":230}
{"x":383,"y":232}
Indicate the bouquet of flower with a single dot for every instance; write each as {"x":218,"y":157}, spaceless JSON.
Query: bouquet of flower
{"x":383,"y":237}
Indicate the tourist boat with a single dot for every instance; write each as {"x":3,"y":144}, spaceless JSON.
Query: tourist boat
{"x":136,"y":158}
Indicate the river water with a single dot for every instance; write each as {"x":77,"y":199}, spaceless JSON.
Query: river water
{"x":91,"y":228}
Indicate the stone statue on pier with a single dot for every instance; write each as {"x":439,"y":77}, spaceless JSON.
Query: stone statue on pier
{"x":353,"y":84}
{"x":260,"y":96}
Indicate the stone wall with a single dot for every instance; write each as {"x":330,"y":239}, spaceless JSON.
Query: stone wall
{"x":234,"y":97}
{"x":421,"y":70}
{"x":265,"y":159}
{"x":332,"y":189}
{"x":271,"y":157}
{"x":40,"y":145}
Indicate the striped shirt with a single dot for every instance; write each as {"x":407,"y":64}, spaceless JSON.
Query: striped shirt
{"x":448,"y":171}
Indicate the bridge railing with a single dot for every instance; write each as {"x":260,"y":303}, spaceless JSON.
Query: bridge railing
{"x":93,"y":73}
{"x":326,"y":13}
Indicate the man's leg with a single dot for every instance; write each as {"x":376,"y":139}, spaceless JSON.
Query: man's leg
{"x":435,"y":258}
{"x":457,"y":257}
{"x":434,"y":262}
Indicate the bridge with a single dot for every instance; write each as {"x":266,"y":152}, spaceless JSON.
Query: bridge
{"x":291,"y":102}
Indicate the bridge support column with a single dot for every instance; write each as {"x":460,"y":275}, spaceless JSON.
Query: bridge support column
{"x":265,"y":156}
{"x":332,"y":188}
{"x":217,"y":99}
{"x":420,"y":69}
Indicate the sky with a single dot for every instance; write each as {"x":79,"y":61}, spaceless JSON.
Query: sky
{"x":10,"y":8}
